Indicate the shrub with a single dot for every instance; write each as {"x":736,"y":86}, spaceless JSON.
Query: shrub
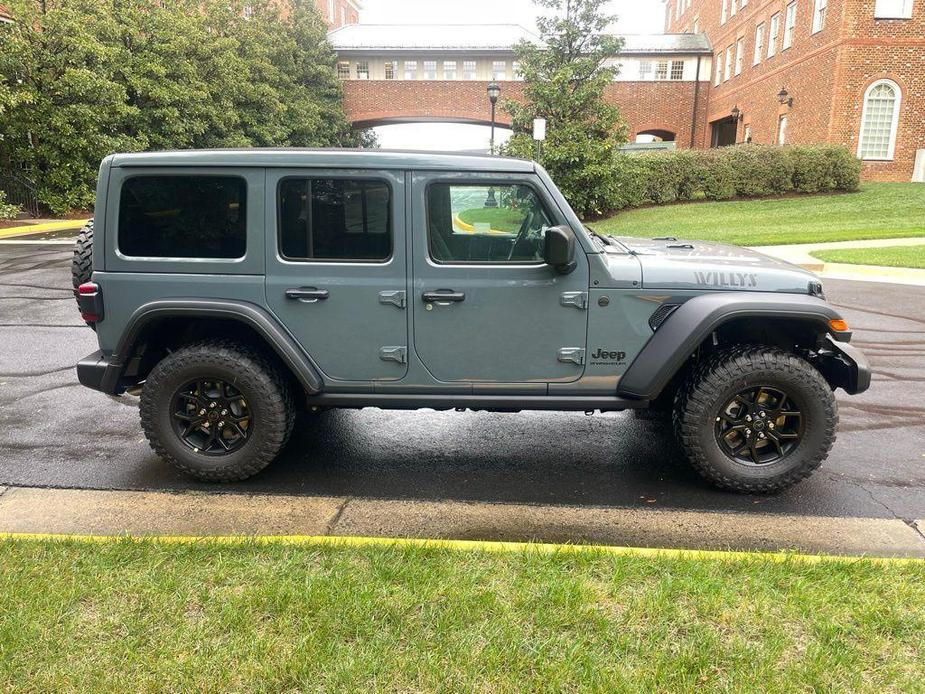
{"x":7,"y":210}
{"x":749,"y":171}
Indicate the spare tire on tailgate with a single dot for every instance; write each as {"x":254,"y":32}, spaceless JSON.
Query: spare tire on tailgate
{"x":82,"y":262}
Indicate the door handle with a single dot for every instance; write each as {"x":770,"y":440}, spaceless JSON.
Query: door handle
{"x":442,"y":295}
{"x":307,"y":295}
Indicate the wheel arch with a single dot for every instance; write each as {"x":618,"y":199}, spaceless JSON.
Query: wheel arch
{"x":169,"y":323}
{"x":789,"y":320}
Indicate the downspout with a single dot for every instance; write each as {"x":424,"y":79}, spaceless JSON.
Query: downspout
{"x":696,"y":103}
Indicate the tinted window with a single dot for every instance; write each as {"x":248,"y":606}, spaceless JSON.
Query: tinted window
{"x":479,"y":223}
{"x":183,"y":217}
{"x":334,"y":219}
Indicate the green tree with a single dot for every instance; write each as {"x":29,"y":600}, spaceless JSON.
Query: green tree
{"x":80,"y":79}
{"x":565,"y":81}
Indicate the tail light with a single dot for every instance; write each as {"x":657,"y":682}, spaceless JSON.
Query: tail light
{"x":90,"y":301}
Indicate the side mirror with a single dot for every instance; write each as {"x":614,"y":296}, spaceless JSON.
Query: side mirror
{"x":560,"y":249}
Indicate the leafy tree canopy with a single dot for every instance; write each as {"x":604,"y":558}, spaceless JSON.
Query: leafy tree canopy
{"x":80,"y":79}
{"x":565,"y":82}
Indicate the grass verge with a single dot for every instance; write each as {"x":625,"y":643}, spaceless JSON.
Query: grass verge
{"x":877,"y":211}
{"x":147,"y":616}
{"x":891,"y":256}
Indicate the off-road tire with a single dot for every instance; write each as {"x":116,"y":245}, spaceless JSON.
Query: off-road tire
{"x":717,"y":379}
{"x":82,"y":262}
{"x":266,"y":391}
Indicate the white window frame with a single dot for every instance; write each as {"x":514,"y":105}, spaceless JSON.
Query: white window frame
{"x":718,"y":76}
{"x":449,"y":68}
{"x":727,"y":65}
{"x":343,"y":69}
{"x":467,"y":73}
{"x":362,"y":69}
{"x":820,"y":9}
{"x":783,"y":121}
{"x":429,"y":69}
{"x":732,"y":8}
{"x":516,"y":73}
{"x":499,"y":75}
{"x":673,"y":70}
{"x":759,"y":44}
{"x":894,"y":125}
{"x":773,"y":34}
{"x":893,"y":9}
{"x":389,"y":68}
{"x":405,"y":70}
{"x":725,"y":12}
{"x":790,"y":25}
{"x":740,"y":54}
{"x":646,"y":70}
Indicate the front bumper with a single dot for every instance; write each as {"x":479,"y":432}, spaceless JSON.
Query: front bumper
{"x":99,"y":372}
{"x":844,"y":366}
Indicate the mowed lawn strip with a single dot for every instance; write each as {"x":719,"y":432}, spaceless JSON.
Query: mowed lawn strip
{"x":877,"y":211}
{"x":891,"y":256}
{"x":148,"y":616}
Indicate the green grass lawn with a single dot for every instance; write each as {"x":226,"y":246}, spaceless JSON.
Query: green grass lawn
{"x":877,"y":211}
{"x":148,"y":616}
{"x":500,"y":218}
{"x":891,"y":256}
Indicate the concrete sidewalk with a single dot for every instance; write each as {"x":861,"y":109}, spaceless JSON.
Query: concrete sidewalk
{"x":800,"y":254}
{"x":71,"y":511}
{"x":42,"y":227}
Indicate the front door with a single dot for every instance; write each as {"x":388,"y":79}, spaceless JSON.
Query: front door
{"x":336,"y":269}
{"x":487,"y":309}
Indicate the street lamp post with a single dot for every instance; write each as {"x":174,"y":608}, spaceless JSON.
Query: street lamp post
{"x":494,"y":91}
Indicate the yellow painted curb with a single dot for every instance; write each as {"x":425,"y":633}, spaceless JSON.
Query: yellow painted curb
{"x":42,"y":228}
{"x":460,"y":545}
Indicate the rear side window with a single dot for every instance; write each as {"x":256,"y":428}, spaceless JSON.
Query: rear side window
{"x":183,"y":217}
{"x":335,"y":219}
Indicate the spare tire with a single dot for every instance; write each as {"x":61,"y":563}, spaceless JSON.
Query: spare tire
{"x":82,"y":262}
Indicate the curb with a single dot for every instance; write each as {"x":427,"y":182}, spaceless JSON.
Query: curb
{"x":43,"y":228}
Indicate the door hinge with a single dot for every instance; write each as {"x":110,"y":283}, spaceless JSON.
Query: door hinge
{"x":398,"y":354}
{"x":396,"y":298}
{"x":577,"y":299}
{"x":573,"y":355}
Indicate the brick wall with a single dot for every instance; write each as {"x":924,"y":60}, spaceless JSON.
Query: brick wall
{"x":645,"y":105}
{"x":342,"y":8}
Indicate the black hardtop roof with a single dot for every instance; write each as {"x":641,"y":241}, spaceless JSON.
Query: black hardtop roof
{"x":326,"y":159}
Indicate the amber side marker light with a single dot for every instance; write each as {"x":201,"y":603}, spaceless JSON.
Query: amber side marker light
{"x":838,"y":325}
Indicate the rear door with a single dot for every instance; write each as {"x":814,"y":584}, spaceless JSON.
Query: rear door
{"x":487,"y":308}
{"x":337,"y":271}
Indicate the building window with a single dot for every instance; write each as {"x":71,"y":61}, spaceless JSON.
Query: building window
{"x":732,"y":8}
{"x":661,"y":70}
{"x":773,"y":34}
{"x":893,"y":9}
{"x":411,"y":69}
{"x":343,"y":70}
{"x":790,"y":24}
{"x":782,"y":130}
{"x":515,"y":71}
{"x":362,"y":69}
{"x":759,"y":43}
{"x":677,"y":69}
{"x":727,"y":70}
{"x":718,"y":76}
{"x":468,"y":69}
{"x":879,"y":120}
{"x":740,"y":54}
{"x":725,"y":12}
{"x":696,"y":25}
{"x":819,"y":15}
{"x":449,"y":69}
{"x":331,"y":15}
{"x":389,"y":70}
{"x":499,"y":70}
{"x":430,"y":69}
{"x":645,"y":69}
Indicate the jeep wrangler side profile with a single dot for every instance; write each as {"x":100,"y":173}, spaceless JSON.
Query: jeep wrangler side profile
{"x":230,"y":288}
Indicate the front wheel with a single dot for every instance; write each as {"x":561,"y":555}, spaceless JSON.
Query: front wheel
{"x":216,"y":410}
{"x":755,"y":419}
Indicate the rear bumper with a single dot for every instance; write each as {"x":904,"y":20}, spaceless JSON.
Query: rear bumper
{"x":844,"y":366}
{"x":98,"y":372}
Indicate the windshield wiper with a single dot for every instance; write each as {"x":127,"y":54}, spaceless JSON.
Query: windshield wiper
{"x":606,"y":240}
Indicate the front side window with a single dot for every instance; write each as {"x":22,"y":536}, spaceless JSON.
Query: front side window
{"x":449,"y":69}
{"x":759,"y":44}
{"x":430,"y":69}
{"x":773,"y":34}
{"x":334,"y":219}
{"x":183,"y":217}
{"x":819,"y":15}
{"x":879,"y":121}
{"x":481,"y":223}
{"x":790,"y":25}
{"x":468,"y":69}
{"x":411,"y":69}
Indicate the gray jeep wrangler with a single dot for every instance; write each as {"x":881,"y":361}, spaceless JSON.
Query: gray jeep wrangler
{"x":231,"y":288}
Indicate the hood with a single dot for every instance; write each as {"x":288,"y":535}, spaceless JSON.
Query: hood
{"x":669,"y":263}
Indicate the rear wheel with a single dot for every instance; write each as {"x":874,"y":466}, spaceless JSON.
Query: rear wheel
{"x":755,"y":419}
{"x":216,"y":410}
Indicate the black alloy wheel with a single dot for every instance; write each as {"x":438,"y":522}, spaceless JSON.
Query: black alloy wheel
{"x":211,"y":417}
{"x":759,"y":426}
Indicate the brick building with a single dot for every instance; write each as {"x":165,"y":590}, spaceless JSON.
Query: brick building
{"x":413,"y":73}
{"x":339,"y":13}
{"x":806,"y":71}
{"x":5,"y":15}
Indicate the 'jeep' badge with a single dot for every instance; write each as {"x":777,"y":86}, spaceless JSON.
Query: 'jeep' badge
{"x":603,"y":356}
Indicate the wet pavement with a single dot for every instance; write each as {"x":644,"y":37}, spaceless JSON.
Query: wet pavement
{"x":55,"y":433}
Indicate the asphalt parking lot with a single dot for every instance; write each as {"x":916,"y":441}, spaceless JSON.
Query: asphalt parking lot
{"x":55,"y":433}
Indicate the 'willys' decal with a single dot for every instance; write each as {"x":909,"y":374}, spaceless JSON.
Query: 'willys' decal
{"x":726,"y":279}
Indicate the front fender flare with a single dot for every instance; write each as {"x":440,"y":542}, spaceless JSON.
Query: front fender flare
{"x":693,"y":322}
{"x":276,"y":336}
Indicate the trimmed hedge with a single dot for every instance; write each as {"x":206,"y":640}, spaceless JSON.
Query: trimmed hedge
{"x":741,"y":171}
